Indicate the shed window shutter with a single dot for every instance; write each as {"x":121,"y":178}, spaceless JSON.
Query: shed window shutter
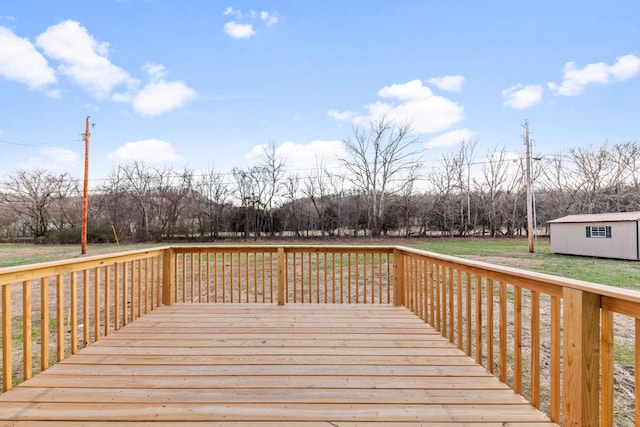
{"x":587,"y":228}
{"x":608,"y":232}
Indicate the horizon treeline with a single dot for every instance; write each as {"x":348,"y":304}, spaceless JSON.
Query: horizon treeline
{"x":382,"y":188}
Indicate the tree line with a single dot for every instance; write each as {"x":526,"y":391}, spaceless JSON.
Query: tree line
{"x":382,"y":188}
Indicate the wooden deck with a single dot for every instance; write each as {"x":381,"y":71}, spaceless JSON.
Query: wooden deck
{"x":268,"y":365}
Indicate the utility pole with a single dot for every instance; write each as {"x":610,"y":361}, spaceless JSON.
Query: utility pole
{"x":85,"y":192}
{"x":527,"y":155}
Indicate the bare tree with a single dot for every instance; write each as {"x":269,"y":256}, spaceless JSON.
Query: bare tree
{"x":272,"y":170}
{"x":139,"y":183}
{"x":210,"y":205}
{"x":595,"y":171}
{"x":378,"y":160}
{"x":32,"y":196}
{"x":112,"y":203}
{"x":251,"y":187}
{"x":171,"y":190}
{"x":443,"y":182}
{"x":316,"y":189}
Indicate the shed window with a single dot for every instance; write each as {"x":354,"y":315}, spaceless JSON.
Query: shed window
{"x":599,"y":231}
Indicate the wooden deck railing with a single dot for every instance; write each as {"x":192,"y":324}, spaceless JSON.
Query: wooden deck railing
{"x":550,"y":338}
{"x":289,"y":274}
{"x":64,"y":306}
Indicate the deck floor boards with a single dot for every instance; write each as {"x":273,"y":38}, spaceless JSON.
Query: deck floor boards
{"x":266,"y":366}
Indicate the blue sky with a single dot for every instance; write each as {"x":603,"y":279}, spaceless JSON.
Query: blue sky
{"x":200,"y":83}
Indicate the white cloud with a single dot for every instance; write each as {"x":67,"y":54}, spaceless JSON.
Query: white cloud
{"x":268,"y":18}
{"x":426,"y":112}
{"x":300,"y":157}
{"x":82,"y":58}
{"x":521,"y":97}
{"x":406,"y":91}
{"x":20,"y":61}
{"x":243,"y":26}
{"x":575,"y":79}
{"x":239,"y":31}
{"x":626,"y":67}
{"x":148,"y":151}
{"x":450,"y":138}
{"x":155,"y":71}
{"x":52,"y":159}
{"x":231,"y":11}
{"x":159,"y":96}
{"x":341,"y":115}
{"x":449,"y":83}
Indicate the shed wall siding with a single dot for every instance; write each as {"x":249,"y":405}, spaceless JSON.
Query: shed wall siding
{"x":570,"y":238}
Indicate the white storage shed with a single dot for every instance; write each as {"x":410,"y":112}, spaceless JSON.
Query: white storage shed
{"x":609,"y":235}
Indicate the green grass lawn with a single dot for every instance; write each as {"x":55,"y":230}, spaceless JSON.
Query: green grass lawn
{"x":515,"y":253}
{"x":21,"y":254}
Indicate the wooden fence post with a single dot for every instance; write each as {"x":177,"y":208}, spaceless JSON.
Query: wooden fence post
{"x":581,"y":373}
{"x":168,"y":277}
{"x":398,"y":278}
{"x":282,"y":264}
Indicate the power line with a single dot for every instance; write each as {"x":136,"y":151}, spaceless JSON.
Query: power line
{"x":39,"y":144}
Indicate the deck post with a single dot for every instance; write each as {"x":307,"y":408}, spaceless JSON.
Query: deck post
{"x":398,"y":278}
{"x":168,"y":277}
{"x":281,"y":267}
{"x":581,"y":373}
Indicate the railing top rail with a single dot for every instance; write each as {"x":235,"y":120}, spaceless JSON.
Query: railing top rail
{"x":548,"y":283}
{"x":15,"y":274}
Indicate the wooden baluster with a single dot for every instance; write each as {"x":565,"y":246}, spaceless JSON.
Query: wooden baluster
{"x":554,"y":388}
{"x":468,"y":306}
{"x":459,"y":289}
{"x":479,"y":319}
{"x":451,"y":307}
{"x":27,"y":354}
{"x":535,"y":349}
{"x":490,"y":328}
{"x":74,"y":313}
{"x":60,"y":317}
{"x":503,"y":333}
{"x":7,"y":351}
{"x":85,"y":308}
{"x":310,"y":279}
{"x":320,"y":284}
{"x":116,"y":298}
{"x":96,"y":304}
{"x":607,"y":359}
{"x":133,"y":292}
{"x":107,"y":285}
{"x":125,"y":287}
{"x":44,"y":323}
{"x":282,"y":277}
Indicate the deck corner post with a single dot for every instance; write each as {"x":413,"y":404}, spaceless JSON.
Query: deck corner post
{"x":168,"y":277}
{"x":282,"y":264}
{"x":581,"y":362}
{"x":398,"y":278}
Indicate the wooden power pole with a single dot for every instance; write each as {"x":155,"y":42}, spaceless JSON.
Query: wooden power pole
{"x":85,"y":191}
{"x":527,"y":155}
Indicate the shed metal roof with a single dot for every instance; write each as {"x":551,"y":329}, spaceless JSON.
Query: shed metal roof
{"x":604,"y":217}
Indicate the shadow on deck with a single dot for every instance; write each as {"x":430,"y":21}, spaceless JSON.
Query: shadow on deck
{"x":269,"y":365}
